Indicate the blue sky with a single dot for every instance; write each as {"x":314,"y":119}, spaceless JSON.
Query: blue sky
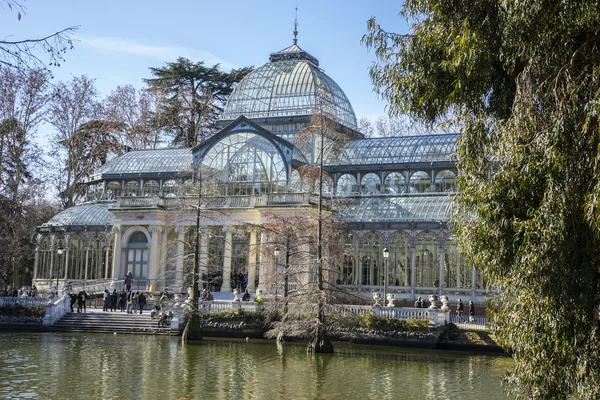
{"x":119,"y":40}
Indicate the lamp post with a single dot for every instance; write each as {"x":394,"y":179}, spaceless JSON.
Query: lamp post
{"x":386,"y":254}
{"x":276,"y":253}
{"x":59,"y":251}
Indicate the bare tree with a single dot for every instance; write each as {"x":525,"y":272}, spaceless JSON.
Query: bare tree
{"x":36,"y":53}
{"x":135,"y":110}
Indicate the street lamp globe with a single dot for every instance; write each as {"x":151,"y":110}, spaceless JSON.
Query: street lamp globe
{"x":386,"y":252}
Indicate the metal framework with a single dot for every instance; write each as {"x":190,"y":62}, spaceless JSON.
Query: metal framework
{"x":291,"y":84}
{"x":148,"y":161}
{"x":409,"y":149}
{"x":404,"y":208}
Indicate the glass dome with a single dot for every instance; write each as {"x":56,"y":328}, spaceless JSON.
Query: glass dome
{"x":291,"y":84}
{"x":407,"y":149}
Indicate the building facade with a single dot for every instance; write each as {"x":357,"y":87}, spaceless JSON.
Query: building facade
{"x":139,"y":213}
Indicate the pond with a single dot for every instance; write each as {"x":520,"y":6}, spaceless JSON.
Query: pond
{"x":97,"y":366}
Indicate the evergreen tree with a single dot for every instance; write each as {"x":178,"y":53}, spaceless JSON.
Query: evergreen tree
{"x":522,"y":80}
{"x":193,"y":96}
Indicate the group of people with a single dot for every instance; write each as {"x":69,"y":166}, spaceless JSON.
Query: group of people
{"x":128,"y":301}
{"x":460,"y":308}
{"x":31,"y":292}
{"x":79,"y":298}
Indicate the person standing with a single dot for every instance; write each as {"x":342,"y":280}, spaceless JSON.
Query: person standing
{"x":460,"y":308}
{"x":113,"y":300}
{"x":418,"y":303}
{"x":471,"y":311}
{"x":142,"y":301}
{"x":128,"y":281}
{"x":122,"y":300}
{"x":83,"y":300}
{"x":106,"y":300}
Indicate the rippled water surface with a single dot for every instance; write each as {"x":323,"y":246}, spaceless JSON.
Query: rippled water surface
{"x":79,"y":366}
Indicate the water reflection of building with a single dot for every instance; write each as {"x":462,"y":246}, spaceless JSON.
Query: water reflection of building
{"x":398,"y":192}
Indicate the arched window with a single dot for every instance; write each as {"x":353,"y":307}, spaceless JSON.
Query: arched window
{"x":399,"y":260}
{"x":457,"y":273}
{"x":445,"y":181}
{"x":247,"y":164}
{"x":348,"y":274}
{"x":151,"y":188}
{"x":170,"y":188}
{"x":370,"y":183}
{"x":394,"y":183}
{"x":113,"y":190}
{"x":346,"y":184}
{"x":132,"y":188}
{"x":372,"y":260}
{"x":427,"y":261}
{"x":420,"y":182}
{"x":137,"y":255}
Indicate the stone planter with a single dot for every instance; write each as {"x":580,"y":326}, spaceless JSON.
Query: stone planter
{"x":445,"y":302}
{"x":390,"y":298}
{"x":377,"y":298}
{"x":433,"y":300}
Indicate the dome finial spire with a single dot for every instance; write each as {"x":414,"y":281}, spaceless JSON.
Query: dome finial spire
{"x":296,"y":27}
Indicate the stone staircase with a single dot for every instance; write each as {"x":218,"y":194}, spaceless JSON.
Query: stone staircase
{"x":109,"y":322}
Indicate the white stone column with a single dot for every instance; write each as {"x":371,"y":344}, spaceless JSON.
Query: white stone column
{"x":87,"y":253}
{"x":226,"y":287}
{"x":66,"y":262}
{"x":412,"y":271}
{"x":117,"y":253}
{"x":153,"y":262}
{"x":252,"y":263}
{"x":162,"y":271}
{"x":36,"y":262}
{"x":441,"y":281}
{"x":180,"y":255}
{"x":262,"y":261}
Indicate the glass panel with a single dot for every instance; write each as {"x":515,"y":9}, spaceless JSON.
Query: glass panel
{"x":394,"y":183}
{"x":150,"y":188}
{"x":372,"y":260}
{"x":113,"y":190}
{"x":445,"y":181}
{"x":420,"y":182}
{"x":370,"y":184}
{"x":132,"y":188}
{"x":426,"y":261}
{"x":346,"y":184}
{"x":399,"y":261}
{"x":170,"y":188}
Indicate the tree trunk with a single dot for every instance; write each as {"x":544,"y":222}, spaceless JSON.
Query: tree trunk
{"x":193,"y":328}
{"x":320,"y":343}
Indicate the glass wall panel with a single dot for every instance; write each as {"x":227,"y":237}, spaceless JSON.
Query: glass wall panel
{"x":132,"y":188}
{"x":420,"y":182}
{"x":399,"y":267}
{"x":426,"y":261}
{"x":214,"y":269}
{"x":137,"y":255}
{"x":170,"y":188}
{"x":296,"y":181}
{"x":151,"y":188}
{"x":76,"y":257}
{"x":457,"y":273}
{"x":348,"y":274}
{"x":44,"y":259}
{"x":445,"y":181}
{"x":370,"y":184}
{"x":247,"y":164}
{"x":346,"y":184}
{"x":113,"y":190}
{"x":394,"y":183}
{"x":372,"y":260}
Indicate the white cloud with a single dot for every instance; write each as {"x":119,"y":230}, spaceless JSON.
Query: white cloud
{"x":166,"y":53}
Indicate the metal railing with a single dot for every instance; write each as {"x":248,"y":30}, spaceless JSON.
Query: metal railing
{"x":475,"y":323}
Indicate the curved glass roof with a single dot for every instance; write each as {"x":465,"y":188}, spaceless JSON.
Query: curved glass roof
{"x":84,"y":214}
{"x":135,"y":162}
{"x":425,"y":148}
{"x":290,"y":85}
{"x":398,"y":209}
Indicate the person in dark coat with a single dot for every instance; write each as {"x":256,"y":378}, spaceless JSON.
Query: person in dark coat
{"x":418,"y":303}
{"x":113,"y":300}
{"x":142,"y":301}
{"x":128,"y":281}
{"x":122,"y":300}
{"x":73,"y":299}
{"x":460,"y":308}
{"x":471,"y":311}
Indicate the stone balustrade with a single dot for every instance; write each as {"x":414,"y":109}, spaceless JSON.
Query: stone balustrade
{"x":55,"y":310}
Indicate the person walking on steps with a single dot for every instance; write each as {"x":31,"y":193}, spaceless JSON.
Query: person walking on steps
{"x":114,"y":297}
{"x":128,"y":281}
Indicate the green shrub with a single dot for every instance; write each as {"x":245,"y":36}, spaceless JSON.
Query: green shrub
{"x":18,"y":309}
{"x":393,"y":324}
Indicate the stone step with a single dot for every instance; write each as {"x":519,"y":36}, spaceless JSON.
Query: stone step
{"x":106,"y":322}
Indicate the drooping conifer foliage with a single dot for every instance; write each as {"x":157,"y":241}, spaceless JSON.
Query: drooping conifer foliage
{"x":522,"y":79}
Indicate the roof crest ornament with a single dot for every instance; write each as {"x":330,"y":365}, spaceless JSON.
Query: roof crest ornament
{"x":296,"y":28}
